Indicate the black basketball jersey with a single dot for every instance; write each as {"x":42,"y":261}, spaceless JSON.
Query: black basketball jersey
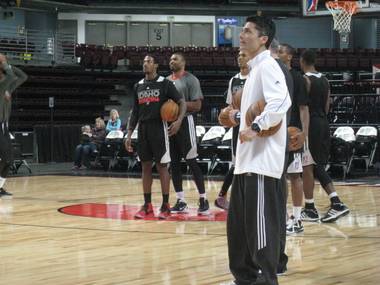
{"x":318,"y":94}
{"x":289,"y":85}
{"x":300,"y":98}
{"x":237,"y":84}
{"x":151,"y":94}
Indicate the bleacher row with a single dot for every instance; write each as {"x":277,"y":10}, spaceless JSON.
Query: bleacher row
{"x":215,"y":58}
{"x":79,"y":97}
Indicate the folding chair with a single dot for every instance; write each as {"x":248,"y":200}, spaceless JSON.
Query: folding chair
{"x":365,"y":145}
{"x":130,"y":157}
{"x":209,"y":144}
{"x":200,"y":131}
{"x":341,"y":150}
{"x":223,"y":151}
{"x":110,"y":148}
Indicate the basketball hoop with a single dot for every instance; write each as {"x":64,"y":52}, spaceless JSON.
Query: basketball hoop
{"x":342,"y":12}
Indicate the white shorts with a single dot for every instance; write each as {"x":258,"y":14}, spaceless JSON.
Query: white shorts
{"x":296,"y":165}
{"x":307,"y":159}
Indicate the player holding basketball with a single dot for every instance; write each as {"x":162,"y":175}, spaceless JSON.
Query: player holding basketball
{"x":153,"y":134}
{"x":10,"y":78}
{"x":253,"y":225}
{"x":183,"y":144}
{"x":236,"y":83}
{"x":317,"y":147}
{"x":299,"y":118}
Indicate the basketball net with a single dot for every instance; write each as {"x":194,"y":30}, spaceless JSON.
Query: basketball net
{"x":342,"y":12}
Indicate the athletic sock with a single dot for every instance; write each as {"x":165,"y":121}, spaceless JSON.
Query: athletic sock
{"x":148,"y":198}
{"x":297,"y":213}
{"x":180,"y":195}
{"x":334,"y":198}
{"x":309,"y":204}
{"x":165,"y":198}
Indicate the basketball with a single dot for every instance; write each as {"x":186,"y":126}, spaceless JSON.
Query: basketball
{"x":224,"y":117}
{"x":296,"y":138}
{"x":255,"y":110}
{"x":169,"y":111}
{"x":236,"y":99}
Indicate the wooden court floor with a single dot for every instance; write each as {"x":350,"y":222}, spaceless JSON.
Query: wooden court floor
{"x":39,"y":245}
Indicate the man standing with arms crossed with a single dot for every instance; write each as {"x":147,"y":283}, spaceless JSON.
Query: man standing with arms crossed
{"x":153,"y":141}
{"x":184,"y":142}
{"x":253,"y":225}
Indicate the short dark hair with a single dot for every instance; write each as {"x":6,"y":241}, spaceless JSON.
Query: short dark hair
{"x":309,"y":56}
{"x":265,"y":26}
{"x":289,"y":49}
{"x":180,"y":54}
{"x":152,"y":56}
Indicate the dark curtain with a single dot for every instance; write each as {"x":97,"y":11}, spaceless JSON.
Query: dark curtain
{"x":65,"y":139}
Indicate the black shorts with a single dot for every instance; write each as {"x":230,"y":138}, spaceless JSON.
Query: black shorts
{"x":153,"y":141}
{"x":5,"y":144}
{"x":184,"y":142}
{"x":319,"y":139}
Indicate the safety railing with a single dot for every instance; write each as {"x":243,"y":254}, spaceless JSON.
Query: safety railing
{"x":34,"y":47}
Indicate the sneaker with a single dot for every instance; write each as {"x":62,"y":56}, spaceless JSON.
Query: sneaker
{"x":203,"y":207}
{"x":164,"y":211}
{"x":5,"y":194}
{"x":75,"y":167}
{"x":335,"y":212}
{"x":222,"y":202}
{"x":146,"y":210}
{"x":179,"y":207}
{"x":282,"y":271}
{"x":294,"y":226}
{"x":309,"y":215}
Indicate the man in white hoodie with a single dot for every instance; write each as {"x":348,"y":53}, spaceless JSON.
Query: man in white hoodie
{"x":253,"y":226}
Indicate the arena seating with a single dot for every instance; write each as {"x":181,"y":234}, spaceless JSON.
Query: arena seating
{"x":79,"y":97}
{"x":218,"y":58}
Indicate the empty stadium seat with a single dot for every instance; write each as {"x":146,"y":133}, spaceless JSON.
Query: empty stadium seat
{"x":365,"y":145}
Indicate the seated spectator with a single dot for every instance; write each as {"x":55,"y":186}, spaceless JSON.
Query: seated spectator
{"x":114,"y":123}
{"x":99,"y":133}
{"x":91,"y":140}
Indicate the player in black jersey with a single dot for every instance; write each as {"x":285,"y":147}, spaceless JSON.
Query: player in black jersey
{"x":299,"y":118}
{"x":236,"y":83}
{"x":153,"y":141}
{"x":317,"y":147}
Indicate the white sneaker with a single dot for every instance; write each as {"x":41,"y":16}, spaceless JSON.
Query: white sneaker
{"x":294,"y":226}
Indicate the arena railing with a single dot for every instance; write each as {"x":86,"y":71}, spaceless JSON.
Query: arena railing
{"x":36,"y":47}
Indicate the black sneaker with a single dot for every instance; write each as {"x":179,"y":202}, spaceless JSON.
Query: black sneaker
{"x":309,"y":215}
{"x":4,"y":194}
{"x":281,"y":271}
{"x":294,"y":226}
{"x":335,"y":212}
{"x":203,"y":207}
{"x":222,"y":202}
{"x":179,"y":207}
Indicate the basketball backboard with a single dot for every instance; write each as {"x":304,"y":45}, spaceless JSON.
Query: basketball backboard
{"x":311,"y":8}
